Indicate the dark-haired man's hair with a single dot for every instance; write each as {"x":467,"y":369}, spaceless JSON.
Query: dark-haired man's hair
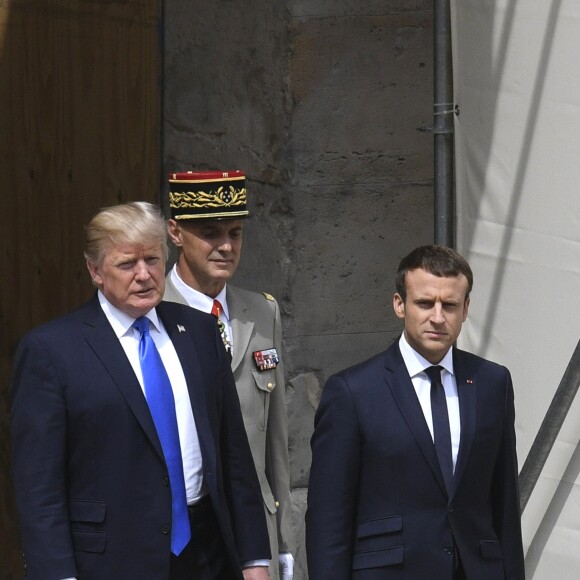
{"x":440,"y":261}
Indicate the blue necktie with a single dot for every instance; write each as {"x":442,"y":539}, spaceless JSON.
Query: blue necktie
{"x":441,"y":429}
{"x":162,"y":406}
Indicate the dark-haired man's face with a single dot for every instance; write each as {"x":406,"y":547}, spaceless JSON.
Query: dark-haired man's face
{"x":434,"y":312}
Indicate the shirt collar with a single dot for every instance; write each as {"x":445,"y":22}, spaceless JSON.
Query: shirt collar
{"x":416,"y":363}
{"x":197,"y":299}
{"x":121,"y":321}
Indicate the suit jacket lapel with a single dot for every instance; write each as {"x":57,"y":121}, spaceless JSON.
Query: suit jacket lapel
{"x":404,"y":393}
{"x":102,"y":339}
{"x":467,"y":392}
{"x":242,"y":326}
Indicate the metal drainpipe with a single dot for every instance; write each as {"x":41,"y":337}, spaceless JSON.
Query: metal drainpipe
{"x":443,"y":125}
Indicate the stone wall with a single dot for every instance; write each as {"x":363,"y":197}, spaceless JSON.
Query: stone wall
{"x":321,"y":103}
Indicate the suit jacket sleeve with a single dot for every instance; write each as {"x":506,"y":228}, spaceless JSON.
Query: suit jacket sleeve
{"x":241,"y":485}
{"x":505,"y":492}
{"x":39,"y":461}
{"x":277,"y":464}
{"x":333,"y":487}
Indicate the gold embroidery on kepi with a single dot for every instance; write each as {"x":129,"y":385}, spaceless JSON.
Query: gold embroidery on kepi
{"x":208,"y":195}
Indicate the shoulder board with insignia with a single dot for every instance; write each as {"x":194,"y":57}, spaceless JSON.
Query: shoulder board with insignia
{"x":268,"y":296}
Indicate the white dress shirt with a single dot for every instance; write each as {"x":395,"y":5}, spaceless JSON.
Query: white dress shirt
{"x":416,"y":365}
{"x":129,"y":337}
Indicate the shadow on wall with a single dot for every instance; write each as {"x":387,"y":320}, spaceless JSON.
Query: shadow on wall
{"x":495,"y":77}
{"x":550,"y":518}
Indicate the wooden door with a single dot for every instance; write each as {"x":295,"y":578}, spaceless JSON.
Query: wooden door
{"x":79,"y":129}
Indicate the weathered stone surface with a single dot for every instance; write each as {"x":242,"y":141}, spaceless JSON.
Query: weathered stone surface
{"x":303,"y":394}
{"x":299,"y":498}
{"x":358,"y":81}
{"x":226,"y":101}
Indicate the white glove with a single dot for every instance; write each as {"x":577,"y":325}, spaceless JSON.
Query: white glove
{"x":286,"y":561}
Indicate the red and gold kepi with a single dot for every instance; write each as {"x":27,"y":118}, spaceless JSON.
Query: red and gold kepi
{"x":208,"y":195}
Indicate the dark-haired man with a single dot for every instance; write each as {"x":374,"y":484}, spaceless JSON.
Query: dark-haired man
{"x":414,"y":469}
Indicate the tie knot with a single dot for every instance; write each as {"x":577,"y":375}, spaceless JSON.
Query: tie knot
{"x":216,"y":309}
{"x":141,"y":324}
{"x":434,"y":374}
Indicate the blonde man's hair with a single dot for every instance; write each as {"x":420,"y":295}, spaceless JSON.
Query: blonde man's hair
{"x":138,"y":222}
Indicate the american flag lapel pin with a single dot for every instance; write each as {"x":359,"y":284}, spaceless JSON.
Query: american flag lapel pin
{"x":180,"y":328}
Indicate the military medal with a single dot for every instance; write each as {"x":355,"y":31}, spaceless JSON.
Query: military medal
{"x":224,"y":335}
{"x":266,"y":359}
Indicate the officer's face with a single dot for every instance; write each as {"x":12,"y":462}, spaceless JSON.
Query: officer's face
{"x":210,"y":252}
{"x":131,"y":276}
{"x":434,"y":311}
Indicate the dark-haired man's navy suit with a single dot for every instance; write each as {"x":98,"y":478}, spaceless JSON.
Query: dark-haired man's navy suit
{"x":377,"y":504}
{"x":89,"y":474}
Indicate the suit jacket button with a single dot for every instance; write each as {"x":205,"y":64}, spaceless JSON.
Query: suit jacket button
{"x":450,"y":509}
{"x":270,"y":386}
{"x":165,"y":528}
{"x":165,"y":480}
{"x":277,"y":504}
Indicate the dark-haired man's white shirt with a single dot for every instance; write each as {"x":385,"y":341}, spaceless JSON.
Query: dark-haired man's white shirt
{"x":416,"y":365}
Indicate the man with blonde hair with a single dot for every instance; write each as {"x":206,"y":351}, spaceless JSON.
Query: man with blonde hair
{"x":130,"y":458}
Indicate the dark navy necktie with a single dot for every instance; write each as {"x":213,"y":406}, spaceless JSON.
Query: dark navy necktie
{"x":162,"y":406}
{"x":441,"y":429}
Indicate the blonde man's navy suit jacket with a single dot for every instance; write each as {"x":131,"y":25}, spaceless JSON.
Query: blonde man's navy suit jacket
{"x":256,"y":326}
{"x":89,"y":474}
{"x":377,"y":504}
